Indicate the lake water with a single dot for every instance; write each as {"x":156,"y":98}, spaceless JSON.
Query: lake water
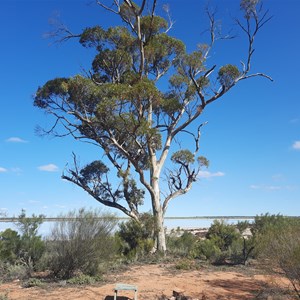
{"x":170,"y":224}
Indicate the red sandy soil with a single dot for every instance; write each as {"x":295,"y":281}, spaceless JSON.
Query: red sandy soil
{"x":155,"y":280}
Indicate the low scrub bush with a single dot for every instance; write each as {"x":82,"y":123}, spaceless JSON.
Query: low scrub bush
{"x":207,"y":249}
{"x":135,"y":239}
{"x":82,"y":242}
{"x":10,"y":243}
{"x":31,"y":246}
{"x":25,"y":247}
{"x":278,"y":242}
{"x":185,"y":264}
{"x":32,"y":282}
{"x":10,"y":271}
{"x":182,"y":244}
{"x":224,"y":244}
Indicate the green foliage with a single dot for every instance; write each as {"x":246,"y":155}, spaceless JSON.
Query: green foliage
{"x":227,"y":75}
{"x":242,"y":226}
{"x":222,"y":234}
{"x":183,"y":157}
{"x":92,"y":37}
{"x":207,"y":249}
{"x":266,"y":222}
{"x":33,"y":282}
{"x":183,"y":245}
{"x":136,"y":239}
{"x":203,"y":161}
{"x":278,"y":242}
{"x":24,"y":250}
{"x":185,"y":264}
{"x":51,"y":89}
{"x":18,"y":270}
{"x":82,"y":242}
{"x":224,"y":244}
{"x":10,"y":243}
{"x":32,"y":246}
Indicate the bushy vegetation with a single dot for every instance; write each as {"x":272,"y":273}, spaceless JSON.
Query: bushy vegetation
{"x":81,"y":242}
{"x":20,"y":252}
{"x":182,"y":244}
{"x":136,"y":239}
{"x":225,"y":244}
{"x":81,"y":245}
{"x":32,"y":246}
{"x":277,"y":241}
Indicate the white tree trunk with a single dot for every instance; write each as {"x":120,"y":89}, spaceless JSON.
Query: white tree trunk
{"x":161,"y":236}
{"x":158,"y":215}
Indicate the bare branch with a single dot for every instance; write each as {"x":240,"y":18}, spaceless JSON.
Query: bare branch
{"x":257,"y":74}
{"x":109,"y":8}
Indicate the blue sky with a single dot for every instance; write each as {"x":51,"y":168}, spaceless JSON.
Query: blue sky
{"x":252,"y":138}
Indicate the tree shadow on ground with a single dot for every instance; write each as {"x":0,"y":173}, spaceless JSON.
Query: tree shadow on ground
{"x":232,"y":287}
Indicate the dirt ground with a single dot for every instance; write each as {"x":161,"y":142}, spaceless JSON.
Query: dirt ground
{"x":155,"y":280}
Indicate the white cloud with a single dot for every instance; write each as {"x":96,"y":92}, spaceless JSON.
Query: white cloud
{"x":48,"y":168}
{"x":15,"y":140}
{"x":296,"y":145}
{"x":207,"y":174}
{"x":2,"y":170}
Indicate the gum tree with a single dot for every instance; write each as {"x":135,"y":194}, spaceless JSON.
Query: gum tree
{"x":119,"y":105}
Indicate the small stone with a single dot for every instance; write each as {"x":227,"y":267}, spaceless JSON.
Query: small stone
{"x":178,"y":292}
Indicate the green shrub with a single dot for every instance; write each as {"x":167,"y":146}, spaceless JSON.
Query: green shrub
{"x":224,"y":244}
{"x":278,"y":242}
{"x":31,"y":246}
{"x":222,"y":234}
{"x":185,"y":264}
{"x":10,"y":272}
{"x":209,"y":250}
{"x":81,"y":242}
{"x":242,"y":226}
{"x":9,"y":245}
{"x":32,"y":282}
{"x":26,"y":247}
{"x":183,"y":245}
{"x":135,"y":239}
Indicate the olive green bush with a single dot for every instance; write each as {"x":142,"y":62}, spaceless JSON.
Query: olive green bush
{"x":81,"y":242}
{"x":136,"y":239}
{"x":32,"y":245}
{"x":183,"y":245}
{"x":10,"y":243}
{"x":21,"y":252}
{"x":225,"y":244}
{"x":277,"y":240}
{"x":14,"y":271}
